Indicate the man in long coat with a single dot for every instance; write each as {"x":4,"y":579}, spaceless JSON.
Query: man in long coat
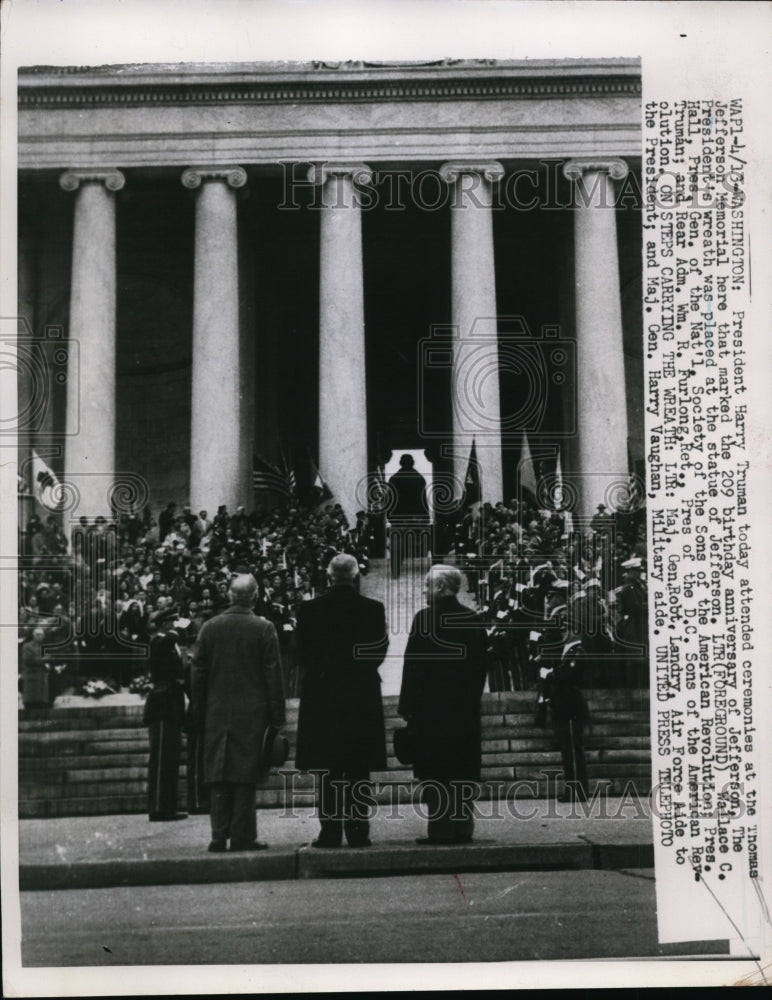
{"x":236,"y":692}
{"x":341,"y":641}
{"x":442,"y":685}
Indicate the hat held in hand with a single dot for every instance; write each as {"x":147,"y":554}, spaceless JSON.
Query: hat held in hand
{"x":275,"y":748}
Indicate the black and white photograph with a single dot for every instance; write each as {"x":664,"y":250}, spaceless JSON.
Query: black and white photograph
{"x":386,"y":555}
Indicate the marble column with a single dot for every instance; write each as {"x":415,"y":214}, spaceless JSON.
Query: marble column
{"x":475,"y":377}
{"x":600,"y":387}
{"x":31,"y":386}
{"x":342,"y":389}
{"x":216,"y":460}
{"x":89,"y":460}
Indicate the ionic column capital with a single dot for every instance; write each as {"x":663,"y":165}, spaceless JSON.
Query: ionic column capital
{"x":194,"y":177}
{"x":360,"y":173}
{"x":617,"y":169}
{"x":112,"y":179}
{"x":490,"y":170}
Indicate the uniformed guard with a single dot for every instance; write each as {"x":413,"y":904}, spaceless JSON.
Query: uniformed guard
{"x":164,"y":716}
{"x":570,"y":716}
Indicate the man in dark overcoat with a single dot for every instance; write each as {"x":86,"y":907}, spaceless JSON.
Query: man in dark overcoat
{"x":236,"y":693}
{"x":442,"y":685}
{"x":164,"y":715}
{"x":341,"y":641}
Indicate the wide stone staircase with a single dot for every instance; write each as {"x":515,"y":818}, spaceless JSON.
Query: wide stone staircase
{"x":93,"y":761}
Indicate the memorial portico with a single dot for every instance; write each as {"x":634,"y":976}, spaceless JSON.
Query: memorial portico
{"x":228,"y":149}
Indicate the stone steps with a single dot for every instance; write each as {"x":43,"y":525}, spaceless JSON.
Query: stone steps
{"x":93,"y":761}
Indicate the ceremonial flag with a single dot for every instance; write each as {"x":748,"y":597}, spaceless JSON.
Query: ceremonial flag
{"x":320,"y":491}
{"x":568,"y":518}
{"x":472,"y":493}
{"x":289,"y":475}
{"x":268,"y":477}
{"x":526,"y":471}
{"x":45,"y":485}
{"x":378,"y":500}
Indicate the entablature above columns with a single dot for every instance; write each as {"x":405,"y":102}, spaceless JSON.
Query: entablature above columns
{"x":145,"y":116}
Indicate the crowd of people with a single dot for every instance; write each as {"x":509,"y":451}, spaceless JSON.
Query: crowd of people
{"x":536,"y":583}
{"x":541,"y":587}
{"x":96,"y":595}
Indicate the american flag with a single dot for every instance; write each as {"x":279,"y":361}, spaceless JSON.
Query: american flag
{"x":268,"y":477}
{"x":289,"y":475}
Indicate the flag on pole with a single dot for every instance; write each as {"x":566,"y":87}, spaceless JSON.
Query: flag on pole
{"x":268,"y":477}
{"x":568,"y":517}
{"x":45,"y":485}
{"x":472,"y":494}
{"x":558,"y":494}
{"x":289,"y":475}
{"x":526,"y":470}
{"x":320,"y":491}
{"x":379,"y":492}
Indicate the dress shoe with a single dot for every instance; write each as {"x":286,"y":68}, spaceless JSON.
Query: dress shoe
{"x":217,"y":847}
{"x":361,"y":843}
{"x":252,"y":845}
{"x":167,"y":818}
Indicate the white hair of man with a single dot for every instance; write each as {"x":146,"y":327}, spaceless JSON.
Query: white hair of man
{"x":443,"y":581}
{"x":343,"y":568}
{"x":243,"y":589}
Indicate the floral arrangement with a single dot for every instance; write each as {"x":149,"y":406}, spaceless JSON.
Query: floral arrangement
{"x":141,"y":685}
{"x":96,"y":688}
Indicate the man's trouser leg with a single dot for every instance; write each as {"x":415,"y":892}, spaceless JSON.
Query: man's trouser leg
{"x":221,"y":810}
{"x":437,"y":799}
{"x":571,"y":742}
{"x":331,"y":807}
{"x":244,"y":816}
{"x":198,"y":791}
{"x":356,"y":824}
{"x":163,"y":769}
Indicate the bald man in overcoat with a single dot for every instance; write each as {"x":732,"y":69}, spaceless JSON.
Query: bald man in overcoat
{"x":236,"y":692}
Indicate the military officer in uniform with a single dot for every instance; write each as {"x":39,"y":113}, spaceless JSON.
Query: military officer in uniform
{"x":164,"y":716}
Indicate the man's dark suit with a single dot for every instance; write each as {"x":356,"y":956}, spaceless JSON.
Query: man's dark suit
{"x":442,"y":684}
{"x":341,"y":640}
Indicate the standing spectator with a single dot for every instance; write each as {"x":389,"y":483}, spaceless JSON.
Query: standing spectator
{"x":409,"y":517}
{"x":197,"y":788}
{"x":164,"y":716}
{"x":442,"y":686}
{"x":236,"y":693}
{"x":34,"y":672}
{"x":166,"y":520}
{"x":341,"y":641}
{"x":570,"y":716}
